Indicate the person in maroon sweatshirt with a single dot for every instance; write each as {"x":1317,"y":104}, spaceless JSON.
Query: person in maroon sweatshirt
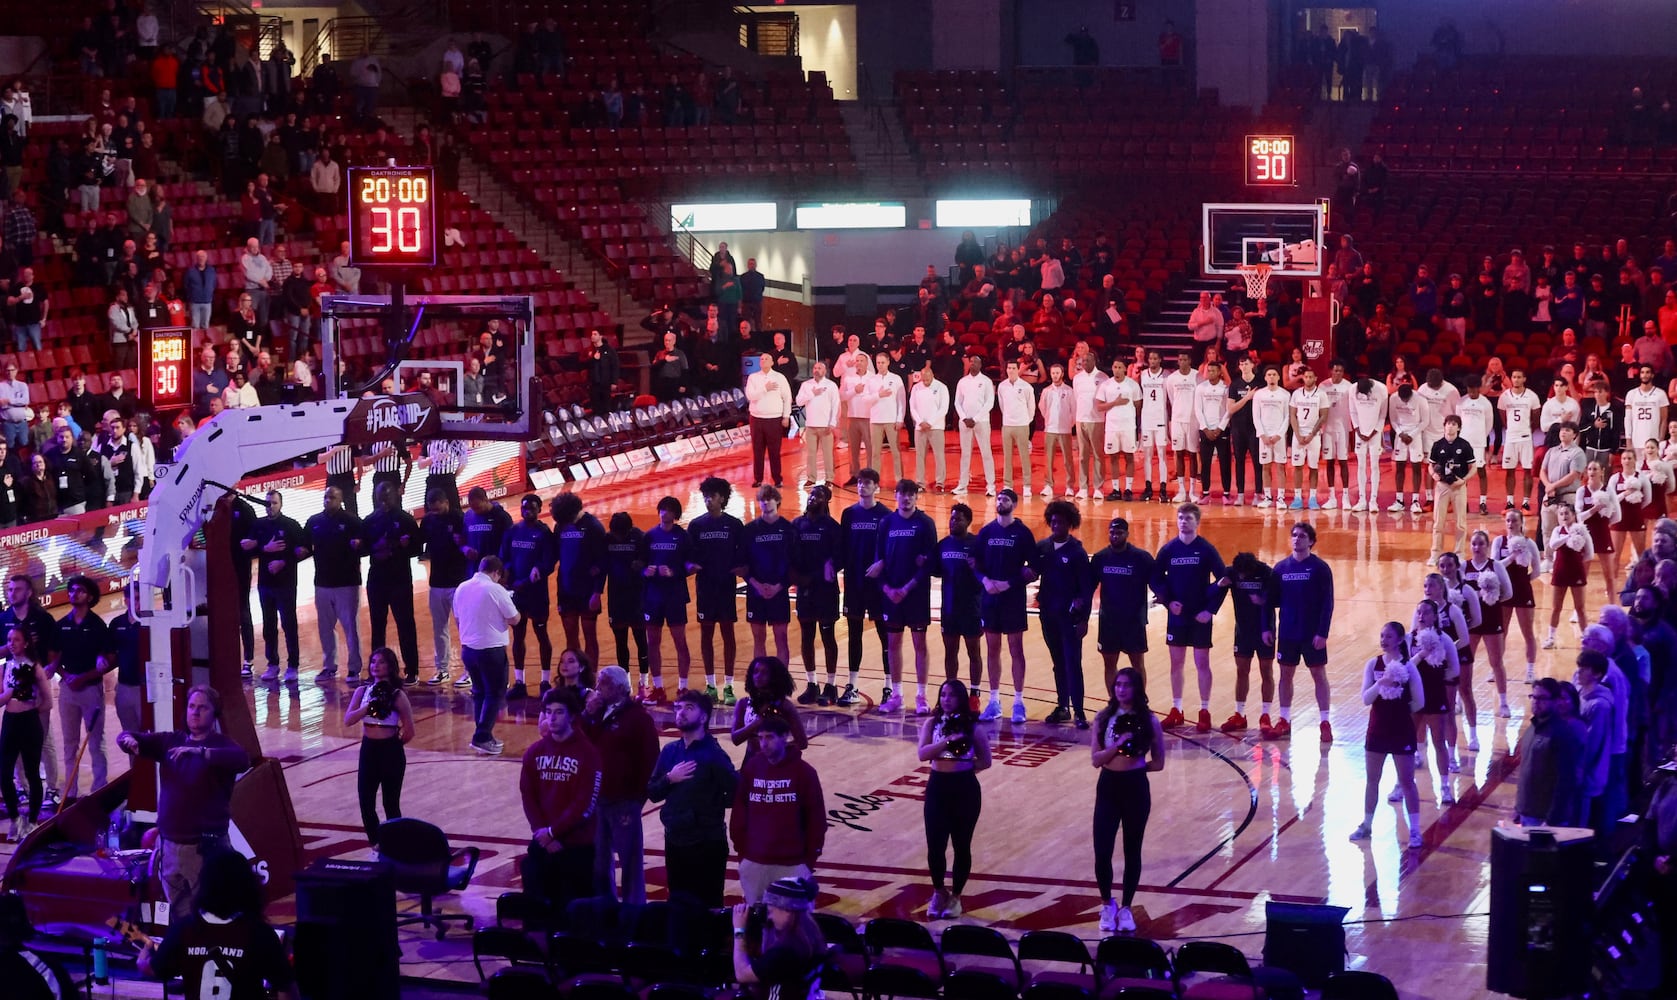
{"x":623,"y":731}
{"x":779,"y":823}
{"x":559,"y":782}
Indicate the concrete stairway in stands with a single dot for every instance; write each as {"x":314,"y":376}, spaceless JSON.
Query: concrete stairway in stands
{"x":881,"y":148}
{"x":1168,"y":331}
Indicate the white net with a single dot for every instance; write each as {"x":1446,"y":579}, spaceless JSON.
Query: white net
{"x":1257,"y":279}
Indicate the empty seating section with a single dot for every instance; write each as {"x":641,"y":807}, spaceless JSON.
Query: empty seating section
{"x":592,"y":180}
{"x":1525,"y":116}
{"x":1044,"y":127}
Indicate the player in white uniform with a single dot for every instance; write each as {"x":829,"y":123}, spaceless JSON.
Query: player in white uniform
{"x":1645,"y":408}
{"x":1407,"y":410}
{"x":1117,"y":401}
{"x":1152,"y":438}
{"x":1520,"y":408}
{"x":1271,"y":407}
{"x":1336,"y":434}
{"x":1184,"y":428}
{"x":1441,"y":398}
{"x":1310,"y":406}
{"x":1478,"y":413}
{"x":1368,"y":422}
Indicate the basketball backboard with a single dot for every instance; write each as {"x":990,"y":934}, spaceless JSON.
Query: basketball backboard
{"x":429,"y":344}
{"x":1290,"y":238}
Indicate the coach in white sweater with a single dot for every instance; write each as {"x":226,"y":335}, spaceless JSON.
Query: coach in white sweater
{"x":890,"y":404}
{"x":928,"y":408}
{"x":819,"y":398}
{"x":1017,"y":402}
{"x":770,"y":396}
{"x":975,"y":397}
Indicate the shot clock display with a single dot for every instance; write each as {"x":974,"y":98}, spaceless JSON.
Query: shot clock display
{"x":166,"y":367}
{"x":392,"y":217}
{"x":1270,"y":160}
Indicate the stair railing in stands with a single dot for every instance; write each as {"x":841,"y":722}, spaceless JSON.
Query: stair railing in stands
{"x":346,"y":36}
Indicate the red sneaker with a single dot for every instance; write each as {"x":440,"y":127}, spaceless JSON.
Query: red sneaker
{"x":1203,"y":723}
{"x":1263,"y":722}
{"x":1327,"y":731}
{"x":1281,"y":730}
{"x":974,"y":704}
{"x":1236,"y":724}
{"x":1174,"y":719}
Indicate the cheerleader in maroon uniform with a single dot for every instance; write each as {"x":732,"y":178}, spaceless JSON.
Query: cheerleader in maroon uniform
{"x":1656,"y":468}
{"x":1631,"y":487}
{"x":1458,"y":612}
{"x":1598,"y":510}
{"x":1487,"y":578}
{"x":1570,"y":542}
{"x":1393,"y":694}
{"x":1433,"y":658}
{"x":1520,"y":559}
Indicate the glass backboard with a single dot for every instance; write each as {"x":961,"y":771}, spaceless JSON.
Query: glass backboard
{"x":1291,"y":239}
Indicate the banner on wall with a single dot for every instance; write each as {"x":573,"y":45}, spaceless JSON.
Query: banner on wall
{"x":103,"y":544}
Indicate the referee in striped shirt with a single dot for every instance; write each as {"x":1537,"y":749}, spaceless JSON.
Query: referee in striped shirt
{"x":388,"y":467}
{"x":340,"y":473}
{"x":444,"y":458}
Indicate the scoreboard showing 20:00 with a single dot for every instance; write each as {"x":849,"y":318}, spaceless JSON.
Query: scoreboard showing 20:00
{"x":392,"y":216}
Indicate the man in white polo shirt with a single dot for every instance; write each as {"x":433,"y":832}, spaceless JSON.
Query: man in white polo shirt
{"x":1092,"y":465}
{"x":819,"y":398}
{"x":1017,"y":402}
{"x":770,"y":398}
{"x":975,"y":397}
{"x":928,"y":410}
{"x":484,"y":613}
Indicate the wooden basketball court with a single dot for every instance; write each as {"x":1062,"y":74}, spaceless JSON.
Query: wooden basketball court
{"x":1235,"y":822}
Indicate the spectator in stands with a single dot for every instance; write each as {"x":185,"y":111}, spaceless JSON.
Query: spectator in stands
{"x":15,"y":412}
{"x":70,"y":467}
{"x":344,"y":277}
{"x":366,"y":74}
{"x":140,"y":210}
{"x":37,"y":495}
{"x":752,"y":286}
{"x":123,"y":324}
{"x":325,"y":180}
{"x":1651,"y":349}
{"x":200,"y":287}
{"x":297,"y":304}
{"x":258,"y":274}
{"x":1423,"y":298}
{"x":670,"y":370}
{"x":209,"y":380}
{"x":239,"y":394}
{"x":29,"y":309}
{"x":86,"y":407}
{"x":245,"y":333}
{"x":604,"y":369}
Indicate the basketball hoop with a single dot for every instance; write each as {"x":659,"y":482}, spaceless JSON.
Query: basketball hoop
{"x":1257,"y":279}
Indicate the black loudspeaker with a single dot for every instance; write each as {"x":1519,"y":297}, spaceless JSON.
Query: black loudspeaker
{"x":1542,"y":911}
{"x":1308,"y":941}
{"x":346,"y":931}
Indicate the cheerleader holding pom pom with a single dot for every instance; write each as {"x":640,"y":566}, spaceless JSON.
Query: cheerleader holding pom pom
{"x":1392,"y":691}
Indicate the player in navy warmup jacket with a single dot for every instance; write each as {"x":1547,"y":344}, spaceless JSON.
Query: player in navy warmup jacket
{"x":815,"y":567}
{"x":625,"y":586}
{"x":859,"y":544}
{"x":1063,"y":591}
{"x":768,"y":575}
{"x":957,"y":554}
{"x":1185,"y":575}
{"x":1006,"y":549}
{"x":719,"y":550}
{"x":581,"y":543}
{"x":667,"y":553}
{"x":1301,"y":592}
{"x":527,"y":553}
{"x":907,"y":547}
{"x":1123,"y":574}
{"x":1248,"y":583}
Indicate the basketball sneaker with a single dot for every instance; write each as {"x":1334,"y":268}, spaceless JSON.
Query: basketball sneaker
{"x":1415,"y":841}
{"x":920,"y":706}
{"x":1264,"y":504}
{"x":1359,"y":507}
{"x":1396,"y":507}
{"x":246,"y":670}
{"x":812,"y":694}
{"x":1327,"y":731}
{"x":1397,"y":795}
{"x":891,"y":702}
{"x":1240,"y":499}
{"x":270,"y":675}
{"x":1332,"y":503}
{"x":728,"y":694}
{"x":1314,"y":505}
{"x":1126,"y":920}
{"x":1181,"y":497}
{"x":1263,"y":722}
{"x":1282,"y":729}
{"x":829,"y":695}
{"x":992,"y":710}
{"x":1059,"y":717}
{"x":1298,"y":503}
{"x":850,"y":696}
{"x":1109,"y":917}
{"x":1236,"y":724}
{"x":940,"y":899}
{"x":326,"y":675}
{"x":975,"y":704}
{"x":1361,"y":832}
{"x":465,"y":681}
{"x":1415,"y":507}
{"x":1147,"y":494}
{"x":1018,"y":710}
{"x":517,"y":692}
{"x":1203,"y":723}
{"x":714,"y":695}
{"x":1027,"y":493}
{"x":1174,"y":719}
{"x":952,"y":907}
{"x":1483,"y":507}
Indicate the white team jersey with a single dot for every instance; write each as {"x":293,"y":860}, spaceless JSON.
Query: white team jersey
{"x":1339,"y":402}
{"x":1642,"y":414}
{"x":1310,"y":406}
{"x":1476,"y":421}
{"x":1119,"y":417}
{"x":1368,"y":412}
{"x":1269,"y":411}
{"x":1407,"y":418}
{"x":1516,"y":410}
{"x":1556,"y":412}
{"x":1154,"y":408}
{"x":1180,"y":387}
{"x":1441,"y":402}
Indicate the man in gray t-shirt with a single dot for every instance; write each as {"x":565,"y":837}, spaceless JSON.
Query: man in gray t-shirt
{"x":1563,"y":469}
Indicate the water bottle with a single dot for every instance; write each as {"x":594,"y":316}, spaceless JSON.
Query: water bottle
{"x":113,"y":837}
{"x":101,"y":960}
